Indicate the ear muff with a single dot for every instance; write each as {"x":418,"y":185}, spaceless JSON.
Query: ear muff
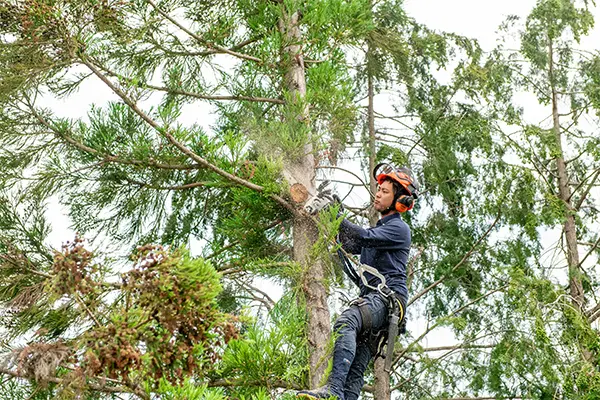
{"x":404,"y":203}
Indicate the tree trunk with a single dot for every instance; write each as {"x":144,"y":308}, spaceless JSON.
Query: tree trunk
{"x":381,"y":387}
{"x":564,"y":192}
{"x":305,"y":233}
{"x":382,"y":378}
{"x":373,"y":215}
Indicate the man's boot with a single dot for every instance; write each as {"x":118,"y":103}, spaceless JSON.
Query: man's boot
{"x":324,"y":392}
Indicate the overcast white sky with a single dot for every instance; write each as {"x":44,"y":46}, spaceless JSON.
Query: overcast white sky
{"x":477,"y":18}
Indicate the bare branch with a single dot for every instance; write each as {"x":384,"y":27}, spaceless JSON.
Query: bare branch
{"x":174,"y":187}
{"x":484,"y":398}
{"x":264,"y":383}
{"x":434,"y":326}
{"x":87,"y":310}
{"x":460,"y":346}
{"x":594,"y":247}
{"x":593,"y":317}
{"x":592,"y":311}
{"x":595,"y":174}
{"x":266,"y":300}
{"x":348,"y":172}
{"x":210,"y":97}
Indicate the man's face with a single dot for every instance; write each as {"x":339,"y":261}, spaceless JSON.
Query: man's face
{"x":384,"y":196}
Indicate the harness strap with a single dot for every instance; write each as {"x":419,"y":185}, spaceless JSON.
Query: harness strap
{"x":348,"y":268}
{"x":365,"y":313}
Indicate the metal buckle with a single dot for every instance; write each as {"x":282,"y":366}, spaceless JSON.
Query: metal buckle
{"x":380,"y":290}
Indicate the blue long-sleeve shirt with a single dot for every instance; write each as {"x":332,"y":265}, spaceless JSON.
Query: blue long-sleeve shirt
{"x":384,"y":247}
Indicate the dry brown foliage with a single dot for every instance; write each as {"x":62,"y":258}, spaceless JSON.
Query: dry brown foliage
{"x":39,"y":360}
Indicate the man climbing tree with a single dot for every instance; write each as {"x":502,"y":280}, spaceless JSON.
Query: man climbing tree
{"x":375,"y":315}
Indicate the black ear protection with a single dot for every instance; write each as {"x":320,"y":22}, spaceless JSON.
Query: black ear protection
{"x":404,"y":203}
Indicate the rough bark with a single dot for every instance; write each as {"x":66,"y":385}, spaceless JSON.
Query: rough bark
{"x":381,"y":387}
{"x":302,"y":171}
{"x":564,"y":192}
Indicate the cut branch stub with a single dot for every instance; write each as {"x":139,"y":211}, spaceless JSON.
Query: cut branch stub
{"x":299,"y":193}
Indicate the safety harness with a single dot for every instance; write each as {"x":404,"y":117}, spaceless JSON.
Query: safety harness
{"x":396,"y":319}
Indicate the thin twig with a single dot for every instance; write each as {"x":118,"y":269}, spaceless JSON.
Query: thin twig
{"x":100,"y":388}
{"x":201,"y":40}
{"x":458,"y":265}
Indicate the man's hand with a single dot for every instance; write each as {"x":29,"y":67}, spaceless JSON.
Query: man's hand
{"x":323,"y":199}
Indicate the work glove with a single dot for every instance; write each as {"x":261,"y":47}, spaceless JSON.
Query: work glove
{"x":323,"y":199}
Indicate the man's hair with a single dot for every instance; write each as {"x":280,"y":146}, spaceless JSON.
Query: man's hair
{"x":398,"y":188}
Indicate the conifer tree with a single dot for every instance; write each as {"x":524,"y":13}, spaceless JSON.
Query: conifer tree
{"x":558,"y":159}
{"x":131,"y":170}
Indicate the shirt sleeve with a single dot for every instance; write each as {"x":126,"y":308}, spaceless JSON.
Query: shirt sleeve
{"x":392,"y":236}
{"x":348,"y":241}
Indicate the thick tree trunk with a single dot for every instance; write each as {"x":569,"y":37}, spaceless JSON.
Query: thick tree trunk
{"x":305,"y":233}
{"x":382,"y":378}
{"x":564,"y":192}
{"x":381,"y":387}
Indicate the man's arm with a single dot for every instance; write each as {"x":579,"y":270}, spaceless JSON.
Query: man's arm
{"x":385,"y":237}
{"x":348,"y":241}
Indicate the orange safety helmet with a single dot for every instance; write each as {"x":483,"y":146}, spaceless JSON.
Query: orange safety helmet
{"x":405,"y":178}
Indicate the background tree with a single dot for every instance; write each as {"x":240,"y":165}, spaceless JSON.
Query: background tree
{"x":470,"y":269}
{"x":559,"y":160}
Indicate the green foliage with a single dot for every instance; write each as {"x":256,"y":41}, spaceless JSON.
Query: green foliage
{"x":13,"y":389}
{"x":168,"y":325}
{"x":187,"y":390}
{"x":269,"y":350}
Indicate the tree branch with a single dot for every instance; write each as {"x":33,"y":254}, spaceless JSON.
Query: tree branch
{"x":275,"y":383}
{"x":348,"y":172}
{"x":587,"y":190}
{"x":456,"y":347}
{"x":169,"y":136}
{"x":209,"y":97}
{"x":174,"y":187}
{"x":589,"y":313}
{"x":108,"y":158}
{"x":458,"y":310}
{"x":100,"y":388}
{"x":594,"y":247}
{"x":594,"y":316}
{"x":201,"y":40}
{"x":235,"y":242}
{"x":484,"y":398}
{"x":458,"y":265}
